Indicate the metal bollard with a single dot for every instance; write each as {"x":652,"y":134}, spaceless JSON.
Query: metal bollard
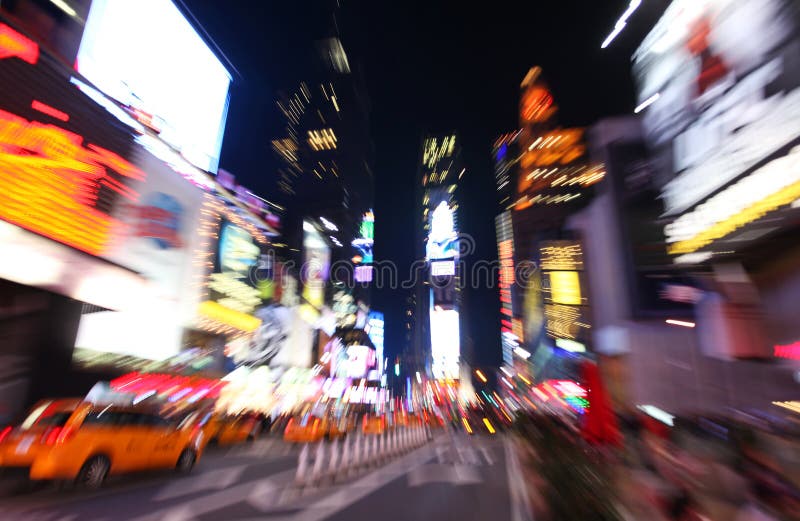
{"x":333,"y":462}
{"x":365,"y":457}
{"x":375,"y":453}
{"x":302,"y":466}
{"x":319,"y":462}
{"x":346,"y":456}
{"x":357,"y":453}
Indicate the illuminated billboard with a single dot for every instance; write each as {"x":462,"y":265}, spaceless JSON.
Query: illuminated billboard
{"x":561,"y":263}
{"x":724,"y":115}
{"x":442,"y":238}
{"x":375,"y":330}
{"x":149,"y":58}
{"x":445,"y":348}
{"x":365,"y":241}
{"x":154,"y":236}
{"x":316,"y":265}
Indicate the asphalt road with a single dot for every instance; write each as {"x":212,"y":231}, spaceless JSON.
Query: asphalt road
{"x":453,"y":477}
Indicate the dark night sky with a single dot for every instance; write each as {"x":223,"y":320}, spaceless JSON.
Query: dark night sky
{"x":429,"y":66}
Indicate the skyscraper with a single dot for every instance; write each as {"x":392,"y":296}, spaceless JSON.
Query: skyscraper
{"x":325,"y":153}
{"x":543,"y":175}
{"x":437,"y":334}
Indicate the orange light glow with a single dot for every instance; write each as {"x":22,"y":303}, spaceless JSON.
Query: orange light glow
{"x":51,"y":183}
{"x":466,"y":425}
{"x":14,"y":44}
{"x":481,"y":376}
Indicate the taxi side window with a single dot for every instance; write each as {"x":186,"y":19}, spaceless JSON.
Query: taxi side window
{"x":154,"y":420}
{"x":103,"y":418}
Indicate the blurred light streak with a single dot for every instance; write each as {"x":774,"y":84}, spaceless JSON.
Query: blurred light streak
{"x":692,"y":258}
{"x":329,"y":225}
{"x":658,"y":414}
{"x":481,"y":376}
{"x":61,"y":4}
{"x":792,"y":406}
{"x":466,"y":425}
{"x":646,"y":103}
{"x":522,"y":353}
{"x":50,"y":111}
{"x":489,"y":425}
{"x":419,"y":378}
{"x":681,"y":323}
{"x":621,"y":23}
{"x":521,"y":377}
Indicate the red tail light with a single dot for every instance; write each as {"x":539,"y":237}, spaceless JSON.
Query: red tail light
{"x":51,"y":436}
{"x":289,"y":425}
{"x":4,"y":434}
{"x":57,"y":435}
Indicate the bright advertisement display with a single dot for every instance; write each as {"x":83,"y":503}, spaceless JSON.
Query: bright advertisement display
{"x":561,"y":263}
{"x":283,"y":336}
{"x":442,"y":238}
{"x":155,"y":237}
{"x":445,"y":343}
{"x":316,"y":265}
{"x":505,"y":254}
{"x":726,"y":114}
{"x":366,"y":239}
{"x":149,"y":58}
{"x":66,"y":163}
{"x":349,"y":361}
{"x":375,"y":330}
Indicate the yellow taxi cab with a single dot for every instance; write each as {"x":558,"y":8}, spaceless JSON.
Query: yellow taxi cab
{"x":220,"y":429}
{"x":305,"y":429}
{"x":373,"y":424}
{"x":339,"y":427}
{"x":76,"y":440}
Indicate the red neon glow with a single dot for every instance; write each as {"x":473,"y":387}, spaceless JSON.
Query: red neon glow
{"x":506,"y":323}
{"x":791,"y":351}
{"x":50,"y":111}
{"x":52,"y":183}
{"x":14,"y":44}
{"x":166,"y":384}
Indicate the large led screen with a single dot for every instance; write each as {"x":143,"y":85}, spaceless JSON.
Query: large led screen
{"x":445,"y":349}
{"x":148,"y":57}
{"x":316,"y":263}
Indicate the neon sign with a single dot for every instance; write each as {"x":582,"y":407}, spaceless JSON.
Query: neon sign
{"x":14,"y":44}
{"x":791,"y":351}
{"x":54,"y":185}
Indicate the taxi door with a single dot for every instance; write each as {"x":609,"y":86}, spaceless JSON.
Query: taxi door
{"x":135,"y":440}
{"x":166,"y":442}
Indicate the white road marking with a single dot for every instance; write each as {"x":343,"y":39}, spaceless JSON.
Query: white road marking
{"x":520,"y":505}
{"x":264,"y":495}
{"x":487,"y":456}
{"x":217,"y":500}
{"x":208,"y":480}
